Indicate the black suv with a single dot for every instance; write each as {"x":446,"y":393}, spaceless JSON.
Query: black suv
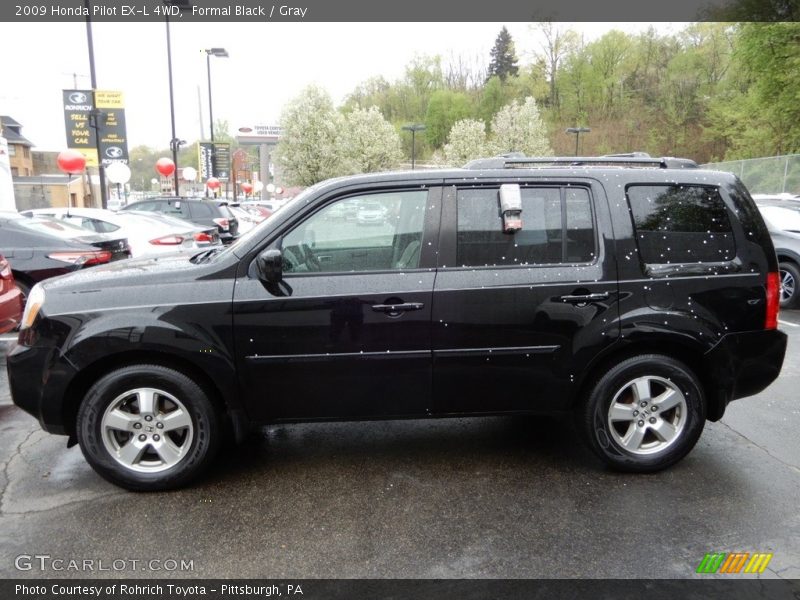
{"x":195,"y":210}
{"x":640,"y":295}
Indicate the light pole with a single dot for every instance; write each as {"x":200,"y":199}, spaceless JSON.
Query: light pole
{"x":101,"y":172}
{"x":414,"y":128}
{"x":174,"y":142}
{"x":221,"y":53}
{"x":577,"y":131}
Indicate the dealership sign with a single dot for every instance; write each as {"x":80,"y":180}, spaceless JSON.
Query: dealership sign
{"x":78,"y":107}
{"x":258,"y":134}
{"x":111,"y":127}
{"x":214,"y":160}
{"x":108,"y":106}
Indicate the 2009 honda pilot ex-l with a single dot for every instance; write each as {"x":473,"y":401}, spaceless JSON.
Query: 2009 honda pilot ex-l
{"x":639,"y":294}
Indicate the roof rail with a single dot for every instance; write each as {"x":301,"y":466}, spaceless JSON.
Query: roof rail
{"x":630,"y":154}
{"x":626,"y":160}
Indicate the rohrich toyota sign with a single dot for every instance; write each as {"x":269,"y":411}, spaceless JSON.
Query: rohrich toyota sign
{"x":258,"y":134}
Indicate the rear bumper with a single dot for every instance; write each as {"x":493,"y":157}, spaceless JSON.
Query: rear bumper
{"x":38,"y":378}
{"x":743,"y":364}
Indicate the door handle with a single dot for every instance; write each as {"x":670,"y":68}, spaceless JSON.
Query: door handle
{"x":395,"y":309}
{"x":585,"y":298}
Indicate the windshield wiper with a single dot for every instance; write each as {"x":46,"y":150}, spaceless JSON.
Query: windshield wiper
{"x":206,"y":254}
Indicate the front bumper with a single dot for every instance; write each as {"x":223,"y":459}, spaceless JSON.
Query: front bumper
{"x":38,"y":378}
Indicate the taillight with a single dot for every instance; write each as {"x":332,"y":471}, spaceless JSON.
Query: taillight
{"x":773,"y":300}
{"x":223,"y":223}
{"x":86,"y":259}
{"x":168,"y":240}
{"x":202,"y":236}
{"x":5,"y":269}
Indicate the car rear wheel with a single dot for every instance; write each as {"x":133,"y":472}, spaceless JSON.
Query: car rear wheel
{"x":645,"y":414}
{"x":147,"y":428}
{"x":790,"y":284}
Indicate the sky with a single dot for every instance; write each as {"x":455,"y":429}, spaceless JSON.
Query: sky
{"x":269,"y":64}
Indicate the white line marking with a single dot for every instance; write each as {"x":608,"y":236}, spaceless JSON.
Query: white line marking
{"x":787,"y":323}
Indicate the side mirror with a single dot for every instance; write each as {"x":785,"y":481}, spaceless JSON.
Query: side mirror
{"x":269,"y":266}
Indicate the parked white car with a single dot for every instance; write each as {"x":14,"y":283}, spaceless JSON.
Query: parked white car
{"x":147,"y":233}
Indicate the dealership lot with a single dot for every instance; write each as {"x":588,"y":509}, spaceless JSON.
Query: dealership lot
{"x":500,"y":497}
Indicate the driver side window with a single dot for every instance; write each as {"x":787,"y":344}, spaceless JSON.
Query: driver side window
{"x":368,"y":232}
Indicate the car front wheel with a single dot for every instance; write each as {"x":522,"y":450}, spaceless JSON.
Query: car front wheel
{"x":147,"y":428}
{"x":645,"y":414}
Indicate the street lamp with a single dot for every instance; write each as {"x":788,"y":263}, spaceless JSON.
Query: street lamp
{"x":414,"y":128}
{"x":174,"y":143}
{"x":221,"y":53}
{"x":101,"y":172}
{"x":577,"y":131}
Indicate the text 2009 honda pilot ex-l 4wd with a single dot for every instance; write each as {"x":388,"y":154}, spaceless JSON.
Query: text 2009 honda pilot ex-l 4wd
{"x":639,"y":294}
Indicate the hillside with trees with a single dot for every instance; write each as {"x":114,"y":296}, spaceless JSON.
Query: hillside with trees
{"x":710,"y":91}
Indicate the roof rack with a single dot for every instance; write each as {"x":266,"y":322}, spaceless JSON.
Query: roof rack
{"x":634,"y":159}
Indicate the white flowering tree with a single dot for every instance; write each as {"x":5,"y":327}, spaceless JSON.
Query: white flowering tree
{"x":310,"y":148}
{"x":465,"y":142}
{"x":519,"y":128}
{"x":370,"y":142}
{"x":318,"y":142}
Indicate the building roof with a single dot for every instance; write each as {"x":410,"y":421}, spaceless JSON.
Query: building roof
{"x":11,"y":130}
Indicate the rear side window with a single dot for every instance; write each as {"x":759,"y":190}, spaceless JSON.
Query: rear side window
{"x":202,"y":211}
{"x":680,"y":224}
{"x":557,"y":227}
{"x":100,"y":226}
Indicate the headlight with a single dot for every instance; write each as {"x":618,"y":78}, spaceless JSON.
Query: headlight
{"x":34,"y":303}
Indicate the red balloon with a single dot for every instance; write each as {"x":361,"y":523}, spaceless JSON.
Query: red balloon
{"x":247,"y":187}
{"x":165,"y":166}
{"x":71,"y":161}
{"x":212,"y":183}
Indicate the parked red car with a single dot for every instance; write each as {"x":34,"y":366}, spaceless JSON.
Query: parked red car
{"x":10,"y":298}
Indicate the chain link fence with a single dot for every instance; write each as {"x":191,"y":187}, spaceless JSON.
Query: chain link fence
{"x":770,"y":175}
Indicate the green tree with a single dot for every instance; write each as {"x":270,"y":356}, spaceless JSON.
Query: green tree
{"x":759,"y":111}
{"x":504,"y":58}
{"x":557,"y":44}
{"x":494,"y":97}
{"x":444,"y":108}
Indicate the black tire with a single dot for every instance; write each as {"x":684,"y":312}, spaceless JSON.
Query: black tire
{"x":662,"y":374}
{"x":789,"y":273}
{"x":201,"y":439}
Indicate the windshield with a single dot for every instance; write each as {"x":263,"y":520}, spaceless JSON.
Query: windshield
{"x":259,"y":229}
{"x":782,"y":218}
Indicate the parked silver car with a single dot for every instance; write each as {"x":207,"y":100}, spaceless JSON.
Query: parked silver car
{"x":147,"y":233}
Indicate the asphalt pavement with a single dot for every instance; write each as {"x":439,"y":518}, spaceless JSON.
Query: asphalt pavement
{"x":503,"y":497}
